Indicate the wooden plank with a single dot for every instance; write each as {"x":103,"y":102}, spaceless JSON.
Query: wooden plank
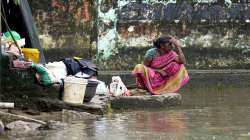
{"x":13,"y":117}
{"x":6,"y":105}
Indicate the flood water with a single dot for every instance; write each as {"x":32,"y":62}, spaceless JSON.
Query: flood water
{"x":206,"y":114}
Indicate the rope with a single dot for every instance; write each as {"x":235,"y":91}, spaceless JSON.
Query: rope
{"x":8,"y":28}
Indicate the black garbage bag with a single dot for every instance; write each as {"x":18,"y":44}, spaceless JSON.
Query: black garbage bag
{"x":80,"y":65}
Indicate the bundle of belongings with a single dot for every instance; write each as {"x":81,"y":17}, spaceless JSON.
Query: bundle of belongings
{"x":55,"y":72}
{"x":50,"y":74}
{"x":81,"y":68}
{"x":11,"y":43}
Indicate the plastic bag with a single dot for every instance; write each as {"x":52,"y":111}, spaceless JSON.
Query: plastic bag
{"x":58,"y":69}
{"x":101,"y":89}
{"x":117,"y":87}
{"x":43,"y":75}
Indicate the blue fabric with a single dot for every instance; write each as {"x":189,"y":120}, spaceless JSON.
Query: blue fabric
{"x":150,"y":54}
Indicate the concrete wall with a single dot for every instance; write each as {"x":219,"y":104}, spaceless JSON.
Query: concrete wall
{"x":214,"y":34}
{"x":65,"y":27}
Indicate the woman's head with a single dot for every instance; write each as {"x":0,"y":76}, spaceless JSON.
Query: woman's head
{"x":163,"y":43}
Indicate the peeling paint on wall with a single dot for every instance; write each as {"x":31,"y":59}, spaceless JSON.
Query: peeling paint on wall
{"x":214,"y":34}
{"x":202,"y":26}
{"x":136,"y":24}
{"x":107,"y":34}
{"x":66,"y":27}
{"x":108,"y":37}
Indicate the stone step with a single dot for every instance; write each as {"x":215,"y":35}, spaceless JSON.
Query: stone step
{"x":146,"y":102}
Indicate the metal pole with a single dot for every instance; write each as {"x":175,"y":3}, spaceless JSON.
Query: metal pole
{"x":1,"y":45}
{"x":97,"y":31}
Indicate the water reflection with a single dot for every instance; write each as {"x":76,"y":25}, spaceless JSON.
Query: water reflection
{"x":140,"y":125}
{"x":162,"y":122}
{"x":206,"y":114}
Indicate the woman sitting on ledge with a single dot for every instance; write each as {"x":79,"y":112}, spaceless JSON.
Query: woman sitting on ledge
{"x":163,"y":70}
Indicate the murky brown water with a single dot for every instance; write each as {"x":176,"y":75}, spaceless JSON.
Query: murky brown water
{"x":206,"y":114}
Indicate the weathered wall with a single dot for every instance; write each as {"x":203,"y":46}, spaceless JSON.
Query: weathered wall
{"x":214,"y":33}
{"x":65,"y":27}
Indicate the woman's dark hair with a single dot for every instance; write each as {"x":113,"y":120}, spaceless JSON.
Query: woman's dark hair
{"x":161,"y":40}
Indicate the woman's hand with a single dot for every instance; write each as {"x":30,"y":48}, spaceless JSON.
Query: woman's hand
{"x":181,"y":58}
{"x":162,"y":73}
{"x":175,"y":42}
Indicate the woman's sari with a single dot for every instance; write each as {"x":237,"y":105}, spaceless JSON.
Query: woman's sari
{"x":154,"y":82}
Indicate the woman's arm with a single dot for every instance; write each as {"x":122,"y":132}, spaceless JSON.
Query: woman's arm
{"x":158,"y":70}
{"x":181,"y":57}
{"x":147,"y":62}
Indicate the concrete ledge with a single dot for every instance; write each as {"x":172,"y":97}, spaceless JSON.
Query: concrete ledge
{"x":234,"y":71}
{"x":198,"y":78}
{"x":140,"y":102}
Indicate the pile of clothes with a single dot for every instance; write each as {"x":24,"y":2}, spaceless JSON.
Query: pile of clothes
{"x":55,"y":72}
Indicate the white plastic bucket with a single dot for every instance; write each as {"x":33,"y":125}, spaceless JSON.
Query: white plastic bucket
{"x":74,"y":90}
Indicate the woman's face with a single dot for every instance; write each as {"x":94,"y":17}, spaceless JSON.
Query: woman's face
{"x":167,"y":47}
